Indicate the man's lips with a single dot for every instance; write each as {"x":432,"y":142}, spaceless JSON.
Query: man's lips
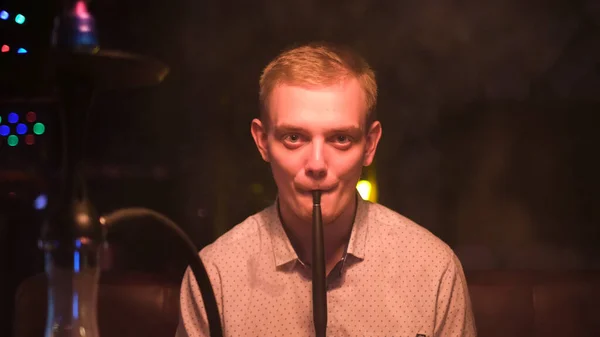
{"x":323,"y":190}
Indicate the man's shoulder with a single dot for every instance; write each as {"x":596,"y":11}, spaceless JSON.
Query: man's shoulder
{"x":404,"y":231}
{"x":243,"y":238}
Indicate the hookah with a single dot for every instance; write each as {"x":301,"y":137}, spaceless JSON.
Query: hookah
{"x":73,"y":232}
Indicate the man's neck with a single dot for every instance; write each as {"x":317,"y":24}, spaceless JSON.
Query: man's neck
{"x":336,"y":234}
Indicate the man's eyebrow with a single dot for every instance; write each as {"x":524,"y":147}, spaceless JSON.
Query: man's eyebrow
{"x":344,"y":129}
{"x":288,"y":128}
{"x":348,"y":129}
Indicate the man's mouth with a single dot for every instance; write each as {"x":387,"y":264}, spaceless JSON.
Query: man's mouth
{"x":322,"y":189}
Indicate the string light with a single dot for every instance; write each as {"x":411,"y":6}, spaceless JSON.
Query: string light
{"x":30,"y":117}
{"x":20,"y":19}
{"x":4,"y":130}
{"x":12,"y":140}
{"x":21,"y":128}
{"x":13,"y":118}
{"x":16,"y":127}
{"x":39,"y":128}
{"x":29,"y":140}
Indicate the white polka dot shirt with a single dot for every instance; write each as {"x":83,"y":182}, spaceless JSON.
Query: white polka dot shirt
{"x":398,"y":279}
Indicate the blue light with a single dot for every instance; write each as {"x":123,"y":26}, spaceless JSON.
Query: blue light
{"x":76,"y":262}
{"x":21,"y":128}
{"x":22,"y":51}
{"x":19,"y":19}
{"x":4,"y":15}
{"x":13,"y":118}
{"x":4,"y":130}
{"x":40,"y":202}
{"x":75,"y":305}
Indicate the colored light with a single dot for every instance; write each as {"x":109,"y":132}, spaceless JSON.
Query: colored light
{"x":21,"y":128}
{"x":40,"y":202}
{"x":4,"y":15}
{"x":5,"y":48}
{"x":12,"y":140}
{"x":29,"y":140}
{"x":20,"y":19}
{"x":4,"y":130}
{"x":13,"y":118}
{"x":81,"y":10}
{"x":0,"y":119}
{"x":364,"y":189}
{"x":75,"y":301}
{"x":39,"y":128}
{"x":22,"y":51}
{"x":31,"y":117}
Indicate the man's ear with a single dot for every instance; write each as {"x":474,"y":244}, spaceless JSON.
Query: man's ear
{"x":259,"y":133}
{"x":373,"y":136}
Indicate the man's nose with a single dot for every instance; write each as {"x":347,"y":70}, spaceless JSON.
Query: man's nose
{"x":316,"y":166}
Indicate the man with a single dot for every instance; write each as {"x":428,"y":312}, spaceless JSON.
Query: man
{"x":387,"y":276}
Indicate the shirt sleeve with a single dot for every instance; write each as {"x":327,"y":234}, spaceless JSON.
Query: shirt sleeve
{"x":454,"y":315}
{"x":193,"y":321}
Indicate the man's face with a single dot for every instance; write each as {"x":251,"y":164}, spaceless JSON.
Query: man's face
{"x":316,"y":139}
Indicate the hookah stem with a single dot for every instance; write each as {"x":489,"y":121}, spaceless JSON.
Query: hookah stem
{"x":318,"y":269}
{"x":76,"y":95}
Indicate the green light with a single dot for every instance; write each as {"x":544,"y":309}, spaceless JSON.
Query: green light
{"x":39,"y":128}
{"x":0,"y":119}
{"x":12,"y":140}
{"x":19,"y":19}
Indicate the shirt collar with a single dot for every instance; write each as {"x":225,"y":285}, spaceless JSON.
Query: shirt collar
{"x":283,"y":251}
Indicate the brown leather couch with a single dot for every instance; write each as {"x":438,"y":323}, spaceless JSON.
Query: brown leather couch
{"x":506,"y":303}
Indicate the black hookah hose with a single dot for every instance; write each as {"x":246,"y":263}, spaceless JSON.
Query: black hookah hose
{"x":196,"y":265}
{"x":319,"y":290}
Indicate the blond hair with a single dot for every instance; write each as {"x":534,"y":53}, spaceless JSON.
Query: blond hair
{"x":318,"y":64}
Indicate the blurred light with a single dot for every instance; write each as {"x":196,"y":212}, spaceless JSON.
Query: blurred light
{"x":75,"y":301}
{"x":81,"y":10}
{"x":84,"y":28}
{"x":12,"y":140}
{"x":40,"y":202}
{"x":39,"y":128}
{"x":4,"y":15}
{"x":0,"y":119}
{"x":19,"y":19}
{"x":31,"y":116}
{"x":76,"y":265}
{"x":5,"y":48}
{"x":22,"y":51}
{"x":364,"y":189}
{"x":21,"y":128}
{"x":4,"y":130}
{"x":29,"y":140}
{"x":13,"y":118}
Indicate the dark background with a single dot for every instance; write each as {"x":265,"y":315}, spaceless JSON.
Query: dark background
{"x":489,"y":112}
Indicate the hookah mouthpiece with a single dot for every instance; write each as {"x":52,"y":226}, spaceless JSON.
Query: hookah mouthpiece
{"x":318,"y":269}
{"x":316,"y":197}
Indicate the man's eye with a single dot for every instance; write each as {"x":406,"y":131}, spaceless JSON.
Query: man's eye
{"x":293,"y":138}
{"x":342,"y":139}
